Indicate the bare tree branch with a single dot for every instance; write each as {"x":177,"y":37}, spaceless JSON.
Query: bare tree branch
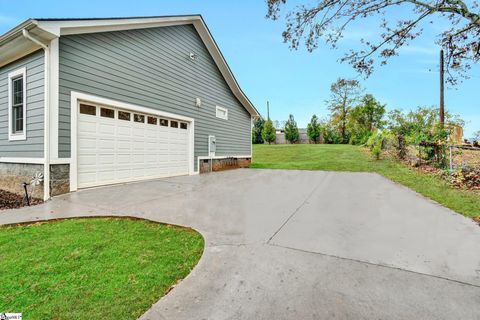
{"x":329,"y":20}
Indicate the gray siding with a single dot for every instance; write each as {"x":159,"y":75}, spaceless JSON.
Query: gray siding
{"x":151,"y":68}
{"x":33,"y":146}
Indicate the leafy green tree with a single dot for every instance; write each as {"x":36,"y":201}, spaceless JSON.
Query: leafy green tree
{"x":365,"y":119}
{"x":268,"y":132}
{"x":291,"y":130}
{"x":314,"y":130}
{"x":257,"y":130}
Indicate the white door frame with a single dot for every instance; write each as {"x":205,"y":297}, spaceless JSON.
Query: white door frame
{"x":76,"y":97}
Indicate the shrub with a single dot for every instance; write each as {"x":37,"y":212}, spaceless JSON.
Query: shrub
{"x":314,"y":130}
{"x":268,"y":132}
{"x":377,"y":151}
{"x":257,"y":130}
{"x":291,"y":130}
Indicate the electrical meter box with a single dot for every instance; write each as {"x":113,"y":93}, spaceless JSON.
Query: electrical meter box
{"x":212,"y":146}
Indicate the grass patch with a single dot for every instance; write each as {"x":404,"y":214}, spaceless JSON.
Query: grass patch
{"x":111,"y":268}
{"x":353,"y":158}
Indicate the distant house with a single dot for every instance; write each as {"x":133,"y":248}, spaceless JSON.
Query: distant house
{"x":92,"y":102}
{"x":280,"y":139}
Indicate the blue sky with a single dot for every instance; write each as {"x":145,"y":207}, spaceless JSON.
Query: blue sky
{"x":294,"y":82}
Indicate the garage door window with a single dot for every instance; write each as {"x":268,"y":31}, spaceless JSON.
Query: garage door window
{"x":139,"y":118}
{"x":164,"y":122}
{"x":174,"y":124}
{"x":122,"y":115}
{"x":183,"y":125}
{"x":107,"y":113}
{"x":87,"y":109}
{"x":152,"y":120}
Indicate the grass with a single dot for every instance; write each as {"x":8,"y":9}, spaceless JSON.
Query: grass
{"x":353,"y":158}
{"x":102,"y":268}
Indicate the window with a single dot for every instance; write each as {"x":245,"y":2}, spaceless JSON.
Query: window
{"x":222,"y":113}
{"x":88,"y":109}
{"x":17,"y":105}
{"x":183,"y":125}
{"x":139,"y":118}
{"x":107,"y":113}
{"x":152,"y":120}
{"x":122,"y":115}
{"x":164,"y":122}
{"x":174,"y":124}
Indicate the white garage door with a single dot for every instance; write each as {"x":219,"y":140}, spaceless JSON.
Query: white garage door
{"x":116,"y":145}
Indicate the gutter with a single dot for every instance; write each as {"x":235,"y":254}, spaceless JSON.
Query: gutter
{"x":17,"y":31}
{"x":46,"y":137}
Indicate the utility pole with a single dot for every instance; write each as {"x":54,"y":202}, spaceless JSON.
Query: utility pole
{"x":268,"y":110}
{"x":442,"y":91}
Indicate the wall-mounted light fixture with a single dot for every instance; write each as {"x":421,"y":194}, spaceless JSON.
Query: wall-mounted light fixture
{"x":198,"y":102}
{"x":193,"y":56}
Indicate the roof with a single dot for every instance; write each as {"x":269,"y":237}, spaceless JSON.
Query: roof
{"x":13,"y":45}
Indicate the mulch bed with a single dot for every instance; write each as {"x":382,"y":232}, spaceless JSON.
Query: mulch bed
{"x":477,"y":220}
{"x":10,"y":200}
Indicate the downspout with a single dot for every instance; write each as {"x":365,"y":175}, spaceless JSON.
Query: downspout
{"x":46,"y":138}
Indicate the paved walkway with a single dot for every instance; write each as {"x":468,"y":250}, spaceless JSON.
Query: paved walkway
{"x":300,"y":245}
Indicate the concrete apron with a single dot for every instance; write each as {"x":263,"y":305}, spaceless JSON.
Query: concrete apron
{"x":300,"y":244}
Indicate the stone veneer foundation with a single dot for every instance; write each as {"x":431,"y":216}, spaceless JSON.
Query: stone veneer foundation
{"x":59,"y":179}
{"x":13,"y":175}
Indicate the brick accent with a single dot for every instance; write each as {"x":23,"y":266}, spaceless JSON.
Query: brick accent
{"x":223,"y":164}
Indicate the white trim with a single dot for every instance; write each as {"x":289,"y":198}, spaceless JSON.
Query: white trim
{"x":251,"y":134}
{"x":14,"y":74}
{"x":76,"y":97}
{"x":60,"y":161}
{"x":54,"y":98}
{"x":221,"y":109}
{"x":46,"y":132}
{"x":22,"y":160}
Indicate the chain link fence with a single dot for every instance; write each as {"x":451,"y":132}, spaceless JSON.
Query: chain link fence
{"x":463,"y":157}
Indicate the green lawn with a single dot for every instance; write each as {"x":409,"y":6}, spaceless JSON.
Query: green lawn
{"x":100,"y":268}
{"x":353,"y":158}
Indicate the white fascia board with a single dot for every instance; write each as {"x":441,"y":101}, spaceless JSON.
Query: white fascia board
{"x":68,"y":27}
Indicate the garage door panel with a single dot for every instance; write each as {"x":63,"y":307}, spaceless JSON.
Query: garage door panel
{"x":114,"y":150}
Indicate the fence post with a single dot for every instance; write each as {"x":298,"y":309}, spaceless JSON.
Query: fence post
{"x":451,"y":160}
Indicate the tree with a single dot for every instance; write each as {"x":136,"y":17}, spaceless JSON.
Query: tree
{"x":329,"y":20}
{"x":268,"y":132}
{"x":314,"y":130}
{"x":343,"y":95}
{"x":257,"y":130}
{"x":291,"y":130}
{"x":364,"y":119}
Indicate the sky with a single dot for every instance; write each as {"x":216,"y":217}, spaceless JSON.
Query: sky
{"x":294,"y":82}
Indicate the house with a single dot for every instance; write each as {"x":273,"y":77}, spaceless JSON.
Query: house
{"x":91,"y":102}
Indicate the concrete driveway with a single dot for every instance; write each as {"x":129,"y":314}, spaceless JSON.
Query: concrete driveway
{"x":301,"y":245}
